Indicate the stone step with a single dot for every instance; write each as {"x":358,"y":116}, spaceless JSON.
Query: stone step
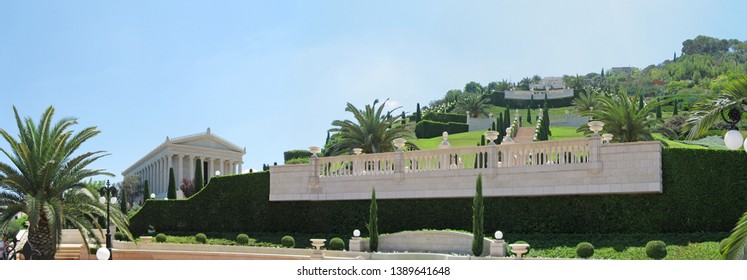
{"x":524,"y":135}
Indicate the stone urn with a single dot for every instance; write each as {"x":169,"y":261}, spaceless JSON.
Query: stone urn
{"x":519,"y":249}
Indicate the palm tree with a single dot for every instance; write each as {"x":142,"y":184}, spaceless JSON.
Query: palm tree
{"x":45,"y":181}
{"x":475,"y":104}
{"x":373,"y":130}
{"x":707,"y":112}
{"x":622,"y":116}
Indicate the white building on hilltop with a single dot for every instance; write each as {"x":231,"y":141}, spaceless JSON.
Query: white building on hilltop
{"x":216,"y":154}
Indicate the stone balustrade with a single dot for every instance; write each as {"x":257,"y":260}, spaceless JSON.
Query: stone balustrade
{"x":562,"y":167}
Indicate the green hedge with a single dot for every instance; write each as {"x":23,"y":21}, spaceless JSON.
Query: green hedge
{"x":289,"y":155}
{"x":430,"y":129}
{"x":704,"y":190}
{"x":445,"y":117}
{"x":498,"y":99}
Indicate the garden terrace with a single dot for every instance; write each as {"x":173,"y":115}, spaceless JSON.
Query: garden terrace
{"x":563,"y":167}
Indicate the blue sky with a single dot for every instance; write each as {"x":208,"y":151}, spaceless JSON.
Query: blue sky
{"x":271,"y":76}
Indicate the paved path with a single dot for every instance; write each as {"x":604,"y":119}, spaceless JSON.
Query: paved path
{"x":524,"y":135}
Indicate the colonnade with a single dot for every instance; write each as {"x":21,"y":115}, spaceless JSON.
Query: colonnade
{"x":157,"y":170}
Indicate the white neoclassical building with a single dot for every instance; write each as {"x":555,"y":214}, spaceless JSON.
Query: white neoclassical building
{"x":216,"y":154}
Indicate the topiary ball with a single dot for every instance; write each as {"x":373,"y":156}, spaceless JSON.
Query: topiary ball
{"x":201,"y":238}
{"x":119,"y":236}
{"x":242,"y":239}
{"x":584,"y":250}
{"x":288,"y":241}
{"x":336,"y":244}
{"x":656,"y":249}
{"x":722,"y":245}
{"x":160,"y":238}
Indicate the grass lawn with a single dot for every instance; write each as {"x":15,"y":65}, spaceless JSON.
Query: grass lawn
{"x":564,"y":132}
{"x":685,"y":246}
{"x":467,"y":139}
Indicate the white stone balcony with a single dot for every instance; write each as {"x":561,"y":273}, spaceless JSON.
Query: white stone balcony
{"x":564,"y":167}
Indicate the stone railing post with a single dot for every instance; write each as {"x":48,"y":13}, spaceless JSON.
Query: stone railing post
{"x":594,"y":151}
{"x":314,"y":168}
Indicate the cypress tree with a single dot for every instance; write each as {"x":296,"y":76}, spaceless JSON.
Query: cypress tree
{"x":403,"y":118}
{"x":373,"y":223}
{"x":546,"y":122}
{"x":418,"y":114}
{"x":482,"y":140}
{"x":172,"y":185}
{"x":602,"y":73}
{"x":658,"y":111}
{"x":499,"y":127}
{"x":674,"y":113}
{"x":198,"y":175}
{"x":326,"y":142}
{"x":146,"y":191}
{"x":123,"y":202}
{"x":675,"y":57}
{"x":492,"y":126}
{"x":529,"y":115}
{"x":506,"y":119}
{"x":640,"y":102}
{"x":477,"y":219}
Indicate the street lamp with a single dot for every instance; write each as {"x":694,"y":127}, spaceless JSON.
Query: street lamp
{"x":733,"y":138}
{"x":108,"y":196}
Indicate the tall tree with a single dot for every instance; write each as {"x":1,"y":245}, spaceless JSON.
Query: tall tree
{"x":418,"y":113}
{"x":478,"y":209}
{"x":658,"y":110}
{"x":529,"y":115}
{"x":123,"y":200}
{"x":146,"y":190}
{"x":45,"y":181}
{"x":674,"y":111}
{"x":675,"y":57}
{"x":198,"y":182}
{"x":403,"y":118}
{"x":473,"y":87}
{"x":171,"y":192}
{"x":475,"y":104}
{"x":506,"y":119}
{"x":369,"y":132}
{"x":640,"y":102}
{"x":373,"y":223}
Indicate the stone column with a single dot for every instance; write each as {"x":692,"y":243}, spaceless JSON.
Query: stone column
{"x":240,"y":169}
{"x":232,"y":164}
{"x":180,"y":168}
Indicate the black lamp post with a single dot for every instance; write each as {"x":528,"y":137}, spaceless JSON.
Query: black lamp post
{"x":733,"y":138}
{"x":108,"y":196}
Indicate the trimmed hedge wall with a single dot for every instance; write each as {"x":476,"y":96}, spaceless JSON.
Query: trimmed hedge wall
{"x":704,"y":190}
{"x":289,"y":155}
{"x":429,"y":129}
{"x":499,"y":99}
{"x":446,"y":117}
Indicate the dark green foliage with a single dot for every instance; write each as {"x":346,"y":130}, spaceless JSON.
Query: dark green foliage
{"x":674,"y":111}
{"x":288,"y":241}
{"x":418,"y":113}
{"x":523,"y":103}
{"x":529,"y":115}
{"x":171,"y":192}
{"x":430,"y":129}
{"x":242,"y":239}
{"x":373,"y":224}
{"x":123,"y":201}
{"x":529,"y":249}
{"x":146,"y":190}
{"x":325,"y":141}
{"x":119,"y":236}
{"x":199,"y":182}
{"x":584,"y":250}
{"x":201,"y":238}
{"x":656,"y":249}
{"x":546,"y":120}
{"x":478,"y":210}
{"x":482,"y":140}
{"x":445,"y":117}
{"x":658,"y":112}
{"x":493,"y":127}
{"x":160,"y":238}
{"x":506,"y":120}
{"x":705,"y":197}
{"x":336,"y":244}
{"x":499,"y":127}
{"x":722,"y":245}
{"x":403,"y":118}
{"x":640,"y":102}
{"x":289,"y":155}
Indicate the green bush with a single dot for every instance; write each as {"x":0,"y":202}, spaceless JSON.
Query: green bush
{"x":242,"y":239}
{"x":288,"y":241}
{"x":201,"y":238}
{"x":240,"y":204}
{"x":289,"y":155}
{"x":336,"y":244}
{"x":722,"y":245}
{"x":119,"y":236}
{"x":584,"y":250}
{"x":298,"y":161}
{"x":430,"y":129}
{"x":656,"y":249}
{"x":160,"y":238}
{"x":446,"y":117}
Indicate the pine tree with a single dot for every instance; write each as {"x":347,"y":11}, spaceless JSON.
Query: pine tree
{"x":477,"y":219}
{"x":171,"y":194}
{"x":198,"y":176}
{"x":418,"y":113}
{"x":373,"y":223}
{"x":146,"y":191}
{"x":674,"y":113}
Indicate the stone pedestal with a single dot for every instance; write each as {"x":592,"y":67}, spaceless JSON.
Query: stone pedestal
{"x":356,"y":245}
{"x":498,"y":248}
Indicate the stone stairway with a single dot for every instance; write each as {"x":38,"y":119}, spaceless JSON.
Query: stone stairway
{"x":525,"y":135}
{"x":68,"y":252}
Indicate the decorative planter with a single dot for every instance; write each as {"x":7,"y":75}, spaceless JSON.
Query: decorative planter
{"x":519,"y":249}
{"x":596,"y":127}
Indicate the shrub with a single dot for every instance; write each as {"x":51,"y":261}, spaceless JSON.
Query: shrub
{"x":529,"y":249}
{"x":298,"y":161}
{"x":336,"y":244}
{"x":430,"y":129}
{"x":160,"y":238}
{"x":288,"y":241}
{"x":446,"y":117}
{"x":242,"y":239}
{"x":201,"y":238}
{"x":373,"y":224}
{"x":584,"y":250}
{"x":656,"y":249}
{"x":289,"y":155}
{"x":119,"y":236}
